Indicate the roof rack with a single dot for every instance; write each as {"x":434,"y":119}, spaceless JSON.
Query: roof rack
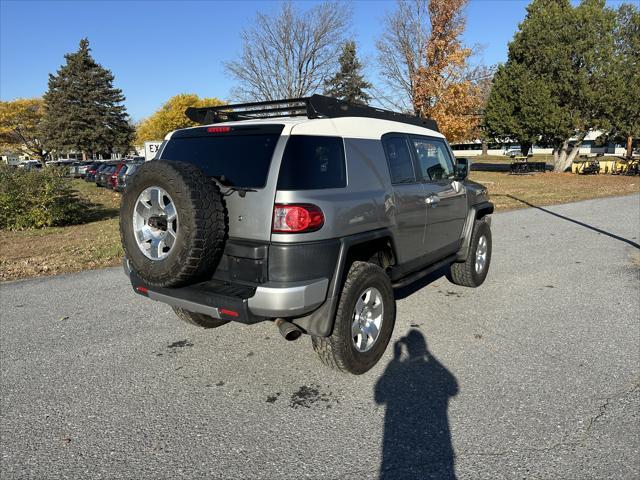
{"x":315,"y":106}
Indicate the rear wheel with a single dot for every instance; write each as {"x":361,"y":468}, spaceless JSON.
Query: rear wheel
{"x":364,"y":321}
{"x":198,"y":319}
{"x":473,"y":271}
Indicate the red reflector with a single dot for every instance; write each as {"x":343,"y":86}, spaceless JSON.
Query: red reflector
{"x":231,"y":313}
{"x":142,"y":290}
{"x":297,"y":218}
{"x":218,"y":129}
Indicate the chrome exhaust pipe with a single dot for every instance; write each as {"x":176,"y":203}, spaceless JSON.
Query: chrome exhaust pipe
{"x":288,"y":330}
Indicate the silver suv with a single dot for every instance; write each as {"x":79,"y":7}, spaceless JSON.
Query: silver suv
{"x":305,"y":212}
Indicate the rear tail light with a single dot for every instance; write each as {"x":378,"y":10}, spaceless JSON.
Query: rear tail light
{"x":297,"y":218}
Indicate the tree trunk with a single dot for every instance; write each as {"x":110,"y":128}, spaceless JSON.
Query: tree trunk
{"x":485,"y":149}
{"x":560,"y":157}
{"x":629,"y":146}
{"x":574,"y":152}
{"x":524,"y":148}
{"x":563,"y":161}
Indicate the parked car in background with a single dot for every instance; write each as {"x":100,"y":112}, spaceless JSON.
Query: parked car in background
{"x":113,"y":178}
{"x":516,"y":151}
{"x":78,"y":169}
{"x":103,"y":173}
{"x":125,"y":175}
{"x":81,"y":171}
{"x":93,"y":175}
{"x":90,"y":174}
{"x":30,"y":165}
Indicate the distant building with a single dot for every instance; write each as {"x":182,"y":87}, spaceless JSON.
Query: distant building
{"x":590,"y":145}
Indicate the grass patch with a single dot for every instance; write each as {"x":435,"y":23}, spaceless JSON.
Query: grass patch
{"x":552,"y":188}
{"x":55,"y":250}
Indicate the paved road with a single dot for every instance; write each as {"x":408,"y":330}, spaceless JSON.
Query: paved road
{"x":533,"y":375}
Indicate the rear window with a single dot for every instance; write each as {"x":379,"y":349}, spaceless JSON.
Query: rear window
{"x":236,"y":159}
{"x":312,"y":163}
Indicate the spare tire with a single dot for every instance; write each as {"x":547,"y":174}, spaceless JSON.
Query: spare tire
{"x":173,"y":223}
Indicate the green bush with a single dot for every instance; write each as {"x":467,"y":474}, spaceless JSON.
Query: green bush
{"x":36,"y":199}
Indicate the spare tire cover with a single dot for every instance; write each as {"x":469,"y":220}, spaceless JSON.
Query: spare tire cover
{"x":173,"y":223}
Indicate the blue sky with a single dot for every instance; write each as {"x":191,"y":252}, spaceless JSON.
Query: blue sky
{"x":157,"y":49}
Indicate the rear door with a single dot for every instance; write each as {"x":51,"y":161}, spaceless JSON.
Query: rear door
{"x":406,"y":206}
{"x":446,"y":198}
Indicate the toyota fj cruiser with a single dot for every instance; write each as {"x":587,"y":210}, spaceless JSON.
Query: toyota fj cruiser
{"x":305,"y":212}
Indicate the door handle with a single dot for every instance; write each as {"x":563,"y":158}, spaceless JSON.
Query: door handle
{"x":432,"y":200}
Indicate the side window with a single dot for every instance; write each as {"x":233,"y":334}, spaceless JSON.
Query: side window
{"x":399,"y":159}
{"x":312,"y":163}
{"x":433,"y":158}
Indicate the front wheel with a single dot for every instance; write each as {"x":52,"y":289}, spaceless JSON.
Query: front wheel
{"x":473,"y":271}
{"x":363,"y":323}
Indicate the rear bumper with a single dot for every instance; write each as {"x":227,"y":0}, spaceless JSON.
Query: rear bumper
{"x":238,"y":302}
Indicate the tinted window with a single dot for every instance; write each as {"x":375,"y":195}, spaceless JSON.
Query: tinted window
{"x":399,"y":159}
{"x":433,"y":157}
{"x":243,"y":160}
{"x":311,"y":163}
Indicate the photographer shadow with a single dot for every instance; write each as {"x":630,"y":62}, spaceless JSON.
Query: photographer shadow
{"x":416,"y":389}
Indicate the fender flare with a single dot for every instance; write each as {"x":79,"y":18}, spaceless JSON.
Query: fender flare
{"x":478,"y":211}
{"x":320,"y":322}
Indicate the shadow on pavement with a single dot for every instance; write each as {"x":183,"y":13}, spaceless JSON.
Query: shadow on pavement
{"x":416,"y":389}
{"x":577,"y":222}
{"x":404,"y":292}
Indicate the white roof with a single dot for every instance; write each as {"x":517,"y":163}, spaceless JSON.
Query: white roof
{"x":349,"y":127}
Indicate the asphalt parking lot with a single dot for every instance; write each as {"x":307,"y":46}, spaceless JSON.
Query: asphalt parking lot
{"x":533,"y":375}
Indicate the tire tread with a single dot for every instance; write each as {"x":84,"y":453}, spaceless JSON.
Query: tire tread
{"x":207,"y":241}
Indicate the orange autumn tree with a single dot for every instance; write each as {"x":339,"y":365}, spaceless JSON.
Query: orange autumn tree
{"x":443,"y":88}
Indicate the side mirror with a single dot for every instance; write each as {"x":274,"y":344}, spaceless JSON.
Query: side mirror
{"x":463,"y":165}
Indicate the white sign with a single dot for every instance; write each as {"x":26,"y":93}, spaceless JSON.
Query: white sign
{"x":150,"y":150}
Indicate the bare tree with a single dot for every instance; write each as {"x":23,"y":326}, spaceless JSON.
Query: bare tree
{"x":401,"y":52}
{"x":290,"y":54}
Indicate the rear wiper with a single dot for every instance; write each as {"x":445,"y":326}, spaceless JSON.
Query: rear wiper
{"x":242,"y":191}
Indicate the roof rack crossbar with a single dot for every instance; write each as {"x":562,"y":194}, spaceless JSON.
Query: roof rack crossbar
{"x":315,"y":106}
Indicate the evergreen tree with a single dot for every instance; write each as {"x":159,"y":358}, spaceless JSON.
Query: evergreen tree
{"x":626,"y":109}
{"x":348,"y":83}
{"x":558,"y":81}
{"x":83,"y":110}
